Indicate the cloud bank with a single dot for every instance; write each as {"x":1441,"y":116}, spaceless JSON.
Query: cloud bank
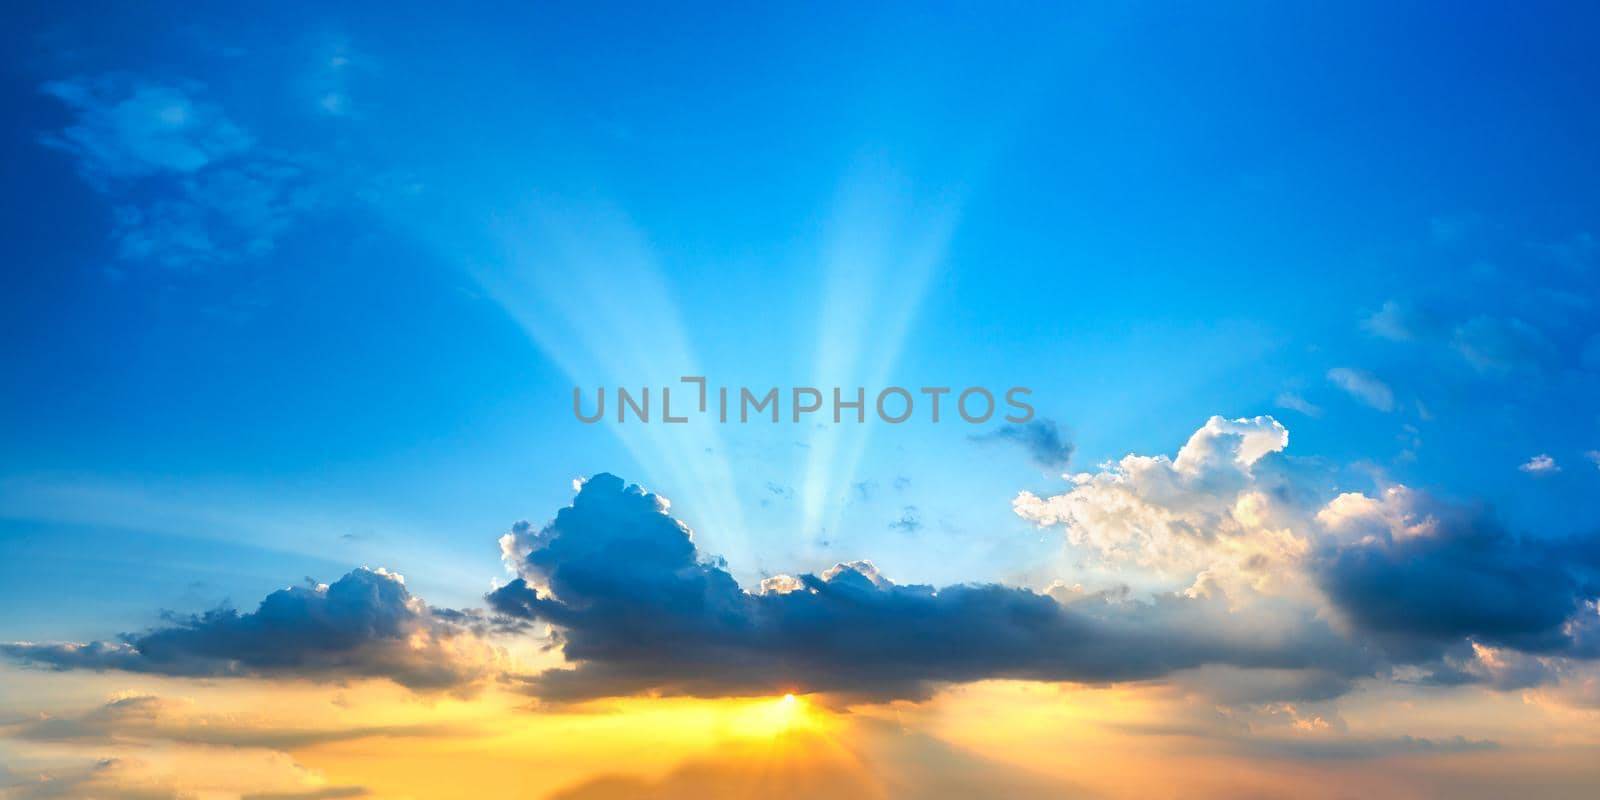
{"x":640,"y":610}
{"x":1416,"y":580}
{"x":365,"y":625}
{"x":1254,"y":572}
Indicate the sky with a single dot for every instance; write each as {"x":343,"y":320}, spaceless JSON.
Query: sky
{"x":295,"y":300}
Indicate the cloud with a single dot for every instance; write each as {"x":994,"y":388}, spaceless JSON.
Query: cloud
{"x":1501,"y":668}
{"x":639,"y":610}
{"x":1500,"y":345}
{"x":160,"y":775}
{"x":1413,"y":578}
{"x":365,"y":625}
{"x":1354,"y":748}
{"x":189,"y":187}
{"x":909,"y":520}
{"x":1422,"y":574}
{"x":1541,"y":464}
{"x":1041,"y":439}
{"x":1255,"y":573}
{"x":336,"y":61}
{"x":1312,"y":748}
{"x":144,"y":718}
{"x":123,"y":130}
{"x":1363,"y":386}
{"x":1207,"y":509}
{"x":220,"y":216}
{"x":1294,"y":402}
{"x":1395,"y":322}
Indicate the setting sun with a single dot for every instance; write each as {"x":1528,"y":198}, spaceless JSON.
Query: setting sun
{"x":764,"y":718}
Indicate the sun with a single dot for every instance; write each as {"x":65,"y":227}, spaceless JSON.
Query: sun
{"x":773,"y":717}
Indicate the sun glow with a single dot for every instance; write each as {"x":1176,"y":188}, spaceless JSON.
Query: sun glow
{"x":773,"y":717}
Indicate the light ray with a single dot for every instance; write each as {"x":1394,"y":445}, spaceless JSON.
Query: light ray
{"x":881,"y":253}
{"x":585,"y":287}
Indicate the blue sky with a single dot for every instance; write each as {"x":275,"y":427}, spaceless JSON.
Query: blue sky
{"x":332,"y":313}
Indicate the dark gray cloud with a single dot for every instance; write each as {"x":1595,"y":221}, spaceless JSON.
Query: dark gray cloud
{"x":1041,"y":439}
{"x":639,"y":610}
{"x":1436,"y":574}
{"x":364,"y":625}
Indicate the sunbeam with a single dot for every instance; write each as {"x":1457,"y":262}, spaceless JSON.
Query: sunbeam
{"x":883,"y":246}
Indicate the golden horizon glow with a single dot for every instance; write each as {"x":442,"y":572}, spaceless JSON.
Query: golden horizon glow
{"x":1020,"y":739}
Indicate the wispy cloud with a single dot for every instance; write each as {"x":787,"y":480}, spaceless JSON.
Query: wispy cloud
{"x":153,"y":718}
{"x":1294,"y":402}
{"x":1502,"y":345}
{"x":189,"y":186}
{"x":123,"y":130}
{"x":336,"y":66}
{"x":165,"y":773}
{"x":1041,"y":439}
{"x":1363,"y":386}
{"x":909,"y":520}
{"x":1395,"y":322}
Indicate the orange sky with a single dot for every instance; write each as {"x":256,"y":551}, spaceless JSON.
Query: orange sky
{"x":236,"y":739}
